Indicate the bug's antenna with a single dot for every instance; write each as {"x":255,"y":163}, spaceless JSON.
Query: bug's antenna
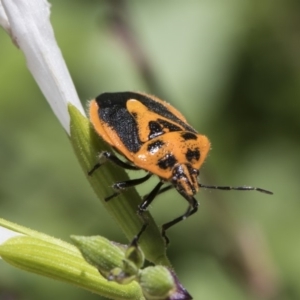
{"x":236,"y":188}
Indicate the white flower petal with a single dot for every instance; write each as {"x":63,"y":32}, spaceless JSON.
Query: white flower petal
{"x":31,"y":30}
{"x":3,"y":19}
{"x":6,"y":234}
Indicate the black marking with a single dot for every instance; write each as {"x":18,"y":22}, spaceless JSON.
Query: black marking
{"x":192,"y":154}
{"x":167,"y":162}
{"x":170,"y":126}
{"x":189,"y":136}
{"x":155,"y":146}
{"x":155,"y":130}
{"x":113,"y":111}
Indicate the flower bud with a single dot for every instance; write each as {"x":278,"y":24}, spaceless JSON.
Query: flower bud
{"x":160,"y":283}
{"x":100,"y":252}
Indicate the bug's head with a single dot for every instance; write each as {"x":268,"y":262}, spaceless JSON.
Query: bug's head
{"x":184,"y":179}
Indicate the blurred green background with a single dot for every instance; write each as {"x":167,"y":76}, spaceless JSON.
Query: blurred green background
{"x":233,"y":69}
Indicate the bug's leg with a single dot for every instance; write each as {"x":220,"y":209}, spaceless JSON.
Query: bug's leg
{"x":143,"y":207}
{"x":105,"y":156}
{"x":166,"y":188}
{"x":137,"y":237}
{"x":95,"y":167}
{"x":236,"y":188}
{"x":193,"y":207}
{"x":122,"y":185}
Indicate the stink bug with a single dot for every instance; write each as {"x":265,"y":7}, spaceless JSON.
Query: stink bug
{"x":155,"y":137}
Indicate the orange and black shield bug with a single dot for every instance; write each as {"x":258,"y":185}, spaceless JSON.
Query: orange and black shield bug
{"x":155,"y":137}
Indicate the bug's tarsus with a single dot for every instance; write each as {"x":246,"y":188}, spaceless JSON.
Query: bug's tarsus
{"x":193,"y":207}
{"x":95,"y":167}
{"x":236,"y":188}
{"x":106,"y":155}
{"x":122,"y":185}
{"x":113,"y":158}
{"x":115,"y":194}
{"x":137,"y":237}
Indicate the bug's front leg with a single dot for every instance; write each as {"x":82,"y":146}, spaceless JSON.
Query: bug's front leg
{"x":192,"y":208}
{"x":143,"y":207}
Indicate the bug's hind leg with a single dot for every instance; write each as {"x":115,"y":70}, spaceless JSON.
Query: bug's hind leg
{"x":105,"y":156}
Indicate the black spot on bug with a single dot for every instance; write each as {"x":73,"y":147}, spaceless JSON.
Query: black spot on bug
{"x":192,"y":155}
{"x":113,"y":112}
{"x":168,"y":125}
{"x":155,"y":146}
{"x":188,"y":136}
{"x":167,"y":162}
{"x":155,"y":129}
